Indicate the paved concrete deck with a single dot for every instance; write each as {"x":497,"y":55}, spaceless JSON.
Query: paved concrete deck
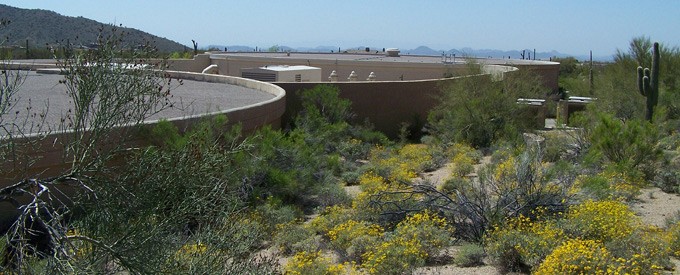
{"x":43,"y":93}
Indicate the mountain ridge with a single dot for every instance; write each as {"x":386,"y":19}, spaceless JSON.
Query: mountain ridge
{"x":40,"y":28}
{"x":425,"y":50}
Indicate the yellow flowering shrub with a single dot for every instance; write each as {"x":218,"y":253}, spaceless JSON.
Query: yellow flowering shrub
{"x":462,"y":164}
{"x":342,"y":235}
{"x":578,"y":257}
{"x":601,"y":220}
{"x":595,"y":237}
{"x":403,"y":164}
{"x":312,"y":263}
{"x":464,"y":149}
{"x":505,"y":170}
{"x":377,"y":197}
{"x":396,"y":255}
{"x":329,"y":218}
{"x":372,"y":183}
{"x":431,"y":231}
{"x":673,"y":238}
{"x":645,"y":251}
{"x":522,"y":241}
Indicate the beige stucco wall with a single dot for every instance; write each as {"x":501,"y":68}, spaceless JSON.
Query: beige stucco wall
{"x":384,"y":70}
{"x":386,"y":104}
{"x":196,"y":65}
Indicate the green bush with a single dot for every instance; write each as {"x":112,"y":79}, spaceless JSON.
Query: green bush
{"x":456,"y":184}
{"x":668,"y":175}
{"x":313,"y":263}
{"x":294,"y":237}
{"x":469,"y":255}
{"x":480,"y":111}
{"x":631,"y":143}
{"x":578,"y":257}
{"x":353,"y":238}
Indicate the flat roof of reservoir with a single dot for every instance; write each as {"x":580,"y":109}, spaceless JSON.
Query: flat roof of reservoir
{"x":43,"y":93}
{"x":377,"y":57}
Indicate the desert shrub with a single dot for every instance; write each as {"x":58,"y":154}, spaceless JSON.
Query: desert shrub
{"x":294,"y":237}
{"x":453,"y":184}
{"x":395,"y":255}
{"x":557,"y":145}
{"x":330,"y":194}
{"x":469,"y":255}
{"x":353,"y":149}
{"x":181,"y":55}
{"x":467,"y":150}
{"x":614,"y":182}
{"x":462,"y":164}
{"x":431,"y":231}
{"x":313,"y":263}
{"x":342,"y":234}
{"x":353,"y":238}
{"x":330,"y":217}
{"x":600,"y":236}
{"x":631,"y":143}
{"x":645,"y":251}
{"x":193,"y":258}
{"x":522,"y":242}
{"x":412,"y":242}
{"x":272,"y":212}
{"x":601,"y":220}
{"x":480,"y":111}
{"x":673,"y":238}
{"x":578,"y":257}
{"x":507,"y":188}
{"x":668,"y":175}
{"x":382,"y":201}
{"x":400,"y":164}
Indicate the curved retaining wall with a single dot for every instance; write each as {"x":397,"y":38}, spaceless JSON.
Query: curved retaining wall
{"x":386,"y":104}
{"x":42,"y":156}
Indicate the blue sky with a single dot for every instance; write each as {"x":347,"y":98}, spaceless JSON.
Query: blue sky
{"x":572,"y":27}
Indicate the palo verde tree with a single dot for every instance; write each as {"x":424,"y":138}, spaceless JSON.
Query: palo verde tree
{"x":480,"y":111}
{"x":110,"y":87}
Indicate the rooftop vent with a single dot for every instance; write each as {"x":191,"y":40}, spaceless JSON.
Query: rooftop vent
{"x":393,"y":52}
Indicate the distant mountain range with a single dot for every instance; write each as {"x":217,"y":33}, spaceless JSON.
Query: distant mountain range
{"x":42,"y":27}
{"x":424,"y":50}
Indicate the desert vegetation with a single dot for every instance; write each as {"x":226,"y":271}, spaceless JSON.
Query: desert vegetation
{"x":332,"y":196}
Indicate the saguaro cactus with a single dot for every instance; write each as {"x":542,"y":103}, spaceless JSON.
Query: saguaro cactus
{"x":648,"y":82}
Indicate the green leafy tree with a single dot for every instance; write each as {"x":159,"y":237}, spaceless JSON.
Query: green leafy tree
{"x":479,"y":111}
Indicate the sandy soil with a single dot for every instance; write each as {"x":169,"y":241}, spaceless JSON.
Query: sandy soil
{"x":655,"y":206}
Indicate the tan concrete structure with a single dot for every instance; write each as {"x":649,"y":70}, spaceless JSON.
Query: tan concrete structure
{"x":403,"y":88}
{"x":45,"y":153}
{"x":283,"y":73}
{"x":385,"y":68}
